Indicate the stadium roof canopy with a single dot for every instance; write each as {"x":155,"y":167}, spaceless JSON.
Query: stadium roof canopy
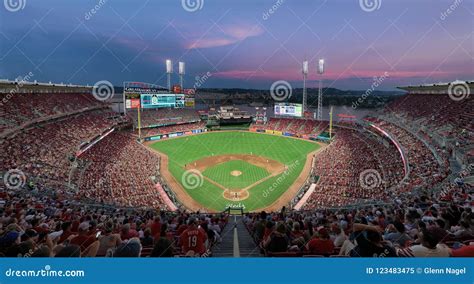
{"x":21,"y":86}
{"x":438,"y":88}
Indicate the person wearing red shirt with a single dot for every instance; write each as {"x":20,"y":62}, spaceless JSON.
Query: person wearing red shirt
{"x":155,"y":227}
{"x":464,"y":251}
{"x":321,"y":244}
{"x":66,"y":228}
{"x":181,"y":227}
{"x":193,"y":238}
{"x":83,"y":239}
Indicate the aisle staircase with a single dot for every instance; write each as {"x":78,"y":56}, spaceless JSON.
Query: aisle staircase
{"x":236,"y":241}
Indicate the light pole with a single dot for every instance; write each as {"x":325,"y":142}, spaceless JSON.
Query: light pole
{"x":181,"y":71}
{"x":320,"y":95}
{"x":305,"y":76}
{"x":169,"y":71}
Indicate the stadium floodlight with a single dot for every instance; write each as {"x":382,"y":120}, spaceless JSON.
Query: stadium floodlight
{"x":181,"y":67}
{"x":321,"y":66}
{"x":169,"y":66}
{"x":305,"y":67}
{"x":319,"y":115}
{"x":305,"y":75}
{"x":169,"y":70}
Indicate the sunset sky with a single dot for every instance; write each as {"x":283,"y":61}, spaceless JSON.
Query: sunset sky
{"x":242,"y":44}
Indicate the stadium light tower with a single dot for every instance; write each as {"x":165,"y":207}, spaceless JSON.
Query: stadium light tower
{"x":320,"y":95}
{"x":182,"y":71}
{"x":305,"y":75}
{"x":169,"y":71}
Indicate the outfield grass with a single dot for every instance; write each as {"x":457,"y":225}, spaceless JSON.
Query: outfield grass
{"x":289,"y":151}
{"x":221,"y":174}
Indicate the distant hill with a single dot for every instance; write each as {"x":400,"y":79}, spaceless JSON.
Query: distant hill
{"x":331,"y":96}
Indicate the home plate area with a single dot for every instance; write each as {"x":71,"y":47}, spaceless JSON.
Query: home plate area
{"x":236,"y":174}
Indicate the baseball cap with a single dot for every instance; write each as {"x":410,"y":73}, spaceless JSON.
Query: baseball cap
{"x":323,"y":232}
{"x":84,"y":226}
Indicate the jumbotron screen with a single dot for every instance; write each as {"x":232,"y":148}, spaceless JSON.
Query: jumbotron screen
{"x":285,"y":109}
{"x":162,"y":100}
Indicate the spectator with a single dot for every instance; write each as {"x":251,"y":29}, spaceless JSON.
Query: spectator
{"x":396,"y":234}
{"x":430,"y":244}
{"x":277,"y":241}
{"x":130,"y":248}
{"x":163,"y":246}
{"x":369,"y":242}
{"x":320,"y":243}
{"x":193,"y":239}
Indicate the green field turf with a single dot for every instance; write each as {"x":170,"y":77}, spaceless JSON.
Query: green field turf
{"x":221,"y":174}
{"x":185,"y":150}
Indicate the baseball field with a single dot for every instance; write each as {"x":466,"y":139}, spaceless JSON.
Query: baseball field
{"x":216,"y":170}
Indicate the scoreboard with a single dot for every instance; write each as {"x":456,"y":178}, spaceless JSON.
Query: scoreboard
{"x":149,"y":96}
{"x":162,"y":100}
{"x":287,"y":109}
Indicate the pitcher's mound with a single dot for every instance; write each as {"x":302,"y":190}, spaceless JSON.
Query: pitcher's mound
{"x":236,"y":173}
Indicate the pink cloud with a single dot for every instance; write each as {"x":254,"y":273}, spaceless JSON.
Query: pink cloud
{"x":228,"y":35}
{"x":211,"y":42}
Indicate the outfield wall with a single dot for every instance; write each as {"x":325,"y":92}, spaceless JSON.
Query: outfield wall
{"x":174,"y":134}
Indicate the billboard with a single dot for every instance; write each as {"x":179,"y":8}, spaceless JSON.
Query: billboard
{"x":190,"y":103}
{"x":132,"y":103}
{"x":287,"y":109}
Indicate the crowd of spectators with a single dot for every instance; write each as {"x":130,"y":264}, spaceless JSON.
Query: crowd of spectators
{"x":295,"y":126}
{"x":46,"y":150}
{"x":440,"y":113}
{"x":119,"y":170}
{"x":408,"y":226}
{"x":353,"y":168}
{"x":425,"y":169}
{"x":42,"y":226}
{"x":20,"y":108}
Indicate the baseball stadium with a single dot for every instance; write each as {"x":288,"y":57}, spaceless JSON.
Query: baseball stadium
{"x":156,"y":162}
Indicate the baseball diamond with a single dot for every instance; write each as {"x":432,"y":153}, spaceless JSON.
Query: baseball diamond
{"x":236,"y":167}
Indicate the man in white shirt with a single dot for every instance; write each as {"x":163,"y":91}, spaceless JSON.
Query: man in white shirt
{"x":430,"y":245}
